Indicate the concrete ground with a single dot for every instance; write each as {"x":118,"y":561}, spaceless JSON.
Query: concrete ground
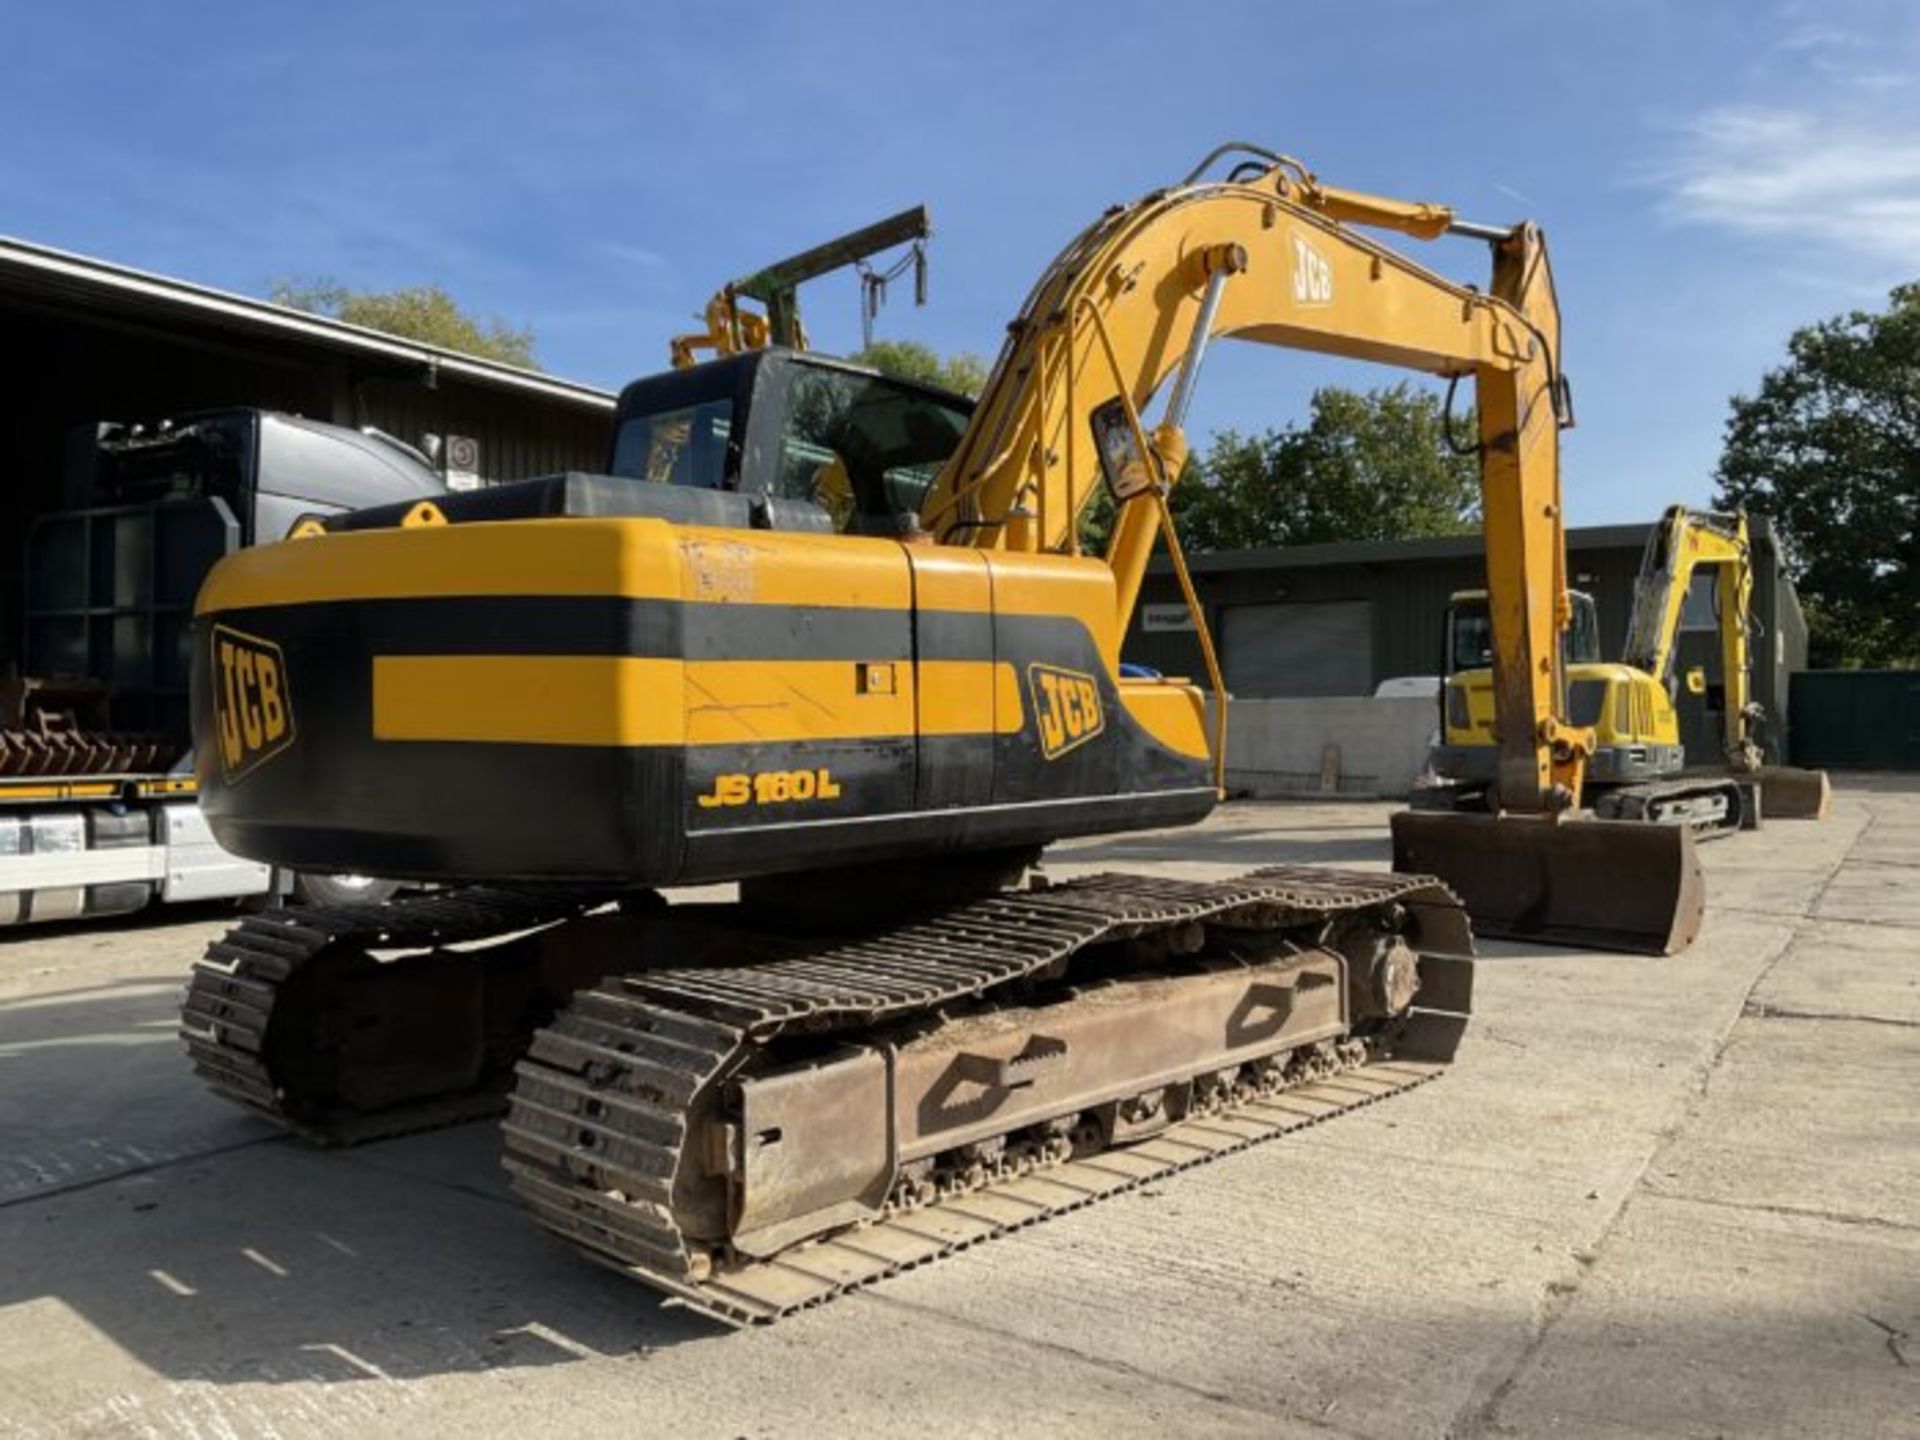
{"x":1655,"y":1197}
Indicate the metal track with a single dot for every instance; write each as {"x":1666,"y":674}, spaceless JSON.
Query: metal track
{"x":760,"y":1292}
{"x":607,"y":1100}
{"x":232,"y":998}
{"x":1675,"y":802}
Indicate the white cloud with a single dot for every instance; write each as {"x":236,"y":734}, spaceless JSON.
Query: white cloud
{"x":1818,"y":35}
{"x":636,"y":255}
{"x":1799,"y":173}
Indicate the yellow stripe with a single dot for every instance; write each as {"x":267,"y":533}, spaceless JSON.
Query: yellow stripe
{"x":528,"y":699}
{"x":631,"y":558}
{"x":68,"y":791}
{"x":743,"y":702}
{"x":968,"y":697}
{"x":625,"y":700}
{"x":174,"y":785}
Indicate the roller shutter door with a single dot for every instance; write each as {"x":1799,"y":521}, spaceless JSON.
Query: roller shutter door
{"x":1298,"y":649}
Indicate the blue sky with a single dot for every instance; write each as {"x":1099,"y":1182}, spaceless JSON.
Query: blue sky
{"x":1710,"y":174}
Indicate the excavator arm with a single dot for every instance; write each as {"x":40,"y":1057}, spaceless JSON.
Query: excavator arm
{"x":1680,"y":544}
{"x":1272,"y":256}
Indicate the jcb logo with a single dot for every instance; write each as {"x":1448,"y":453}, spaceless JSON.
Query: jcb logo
{"x":251,"y":701}
{"x":1066,"y":706}
{"x":1312,"y":275}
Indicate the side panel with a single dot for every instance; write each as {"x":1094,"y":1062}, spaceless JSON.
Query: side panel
{"x":428,"y":738}
{"x":1054,"y":629}
{"x":959,"y":684}
{"x":799,"y":685}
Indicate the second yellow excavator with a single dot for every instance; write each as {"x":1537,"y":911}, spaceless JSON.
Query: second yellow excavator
{"x":1639,"y":768}
{"x":1635,"y":776}
{"x":568,"y":692}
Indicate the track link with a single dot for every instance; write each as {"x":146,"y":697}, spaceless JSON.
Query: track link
{"x":1710,"y":807}
{"x":617,"y":1093}
{"x":233,"y":1016}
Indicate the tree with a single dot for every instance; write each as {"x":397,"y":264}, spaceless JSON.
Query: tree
{"x":418,"y":312}
{"x":964,"y":372}
{"x":1829,"y":452}
{"x":1365,"y":466}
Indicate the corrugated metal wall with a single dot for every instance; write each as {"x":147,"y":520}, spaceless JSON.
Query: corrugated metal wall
{"x":519,"y":435}
{"x":1857,"y":719}
{"x":1409,"y":597}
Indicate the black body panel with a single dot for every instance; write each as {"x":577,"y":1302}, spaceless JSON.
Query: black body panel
{"x":578,"y":495}
{"x":337,"y":798}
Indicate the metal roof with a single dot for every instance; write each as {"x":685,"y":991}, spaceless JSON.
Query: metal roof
{"x":43,"y":272}
{"x":1425,"y":547}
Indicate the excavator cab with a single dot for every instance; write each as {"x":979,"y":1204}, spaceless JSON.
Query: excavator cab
{"x":1467,"y":753}
{"x":808,"y":432}
{"x":1469,"y":632}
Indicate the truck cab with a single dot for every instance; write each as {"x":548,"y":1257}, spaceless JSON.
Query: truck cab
{"x":98,"y":810}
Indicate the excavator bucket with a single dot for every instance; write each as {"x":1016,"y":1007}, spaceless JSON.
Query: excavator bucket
{"x":1598,"y":884}
{"x":1790,"y":793}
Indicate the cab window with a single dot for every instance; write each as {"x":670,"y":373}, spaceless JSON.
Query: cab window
{"x":676,"y":447}
{"x":865,"y":449}
{"x":1472,"y":642}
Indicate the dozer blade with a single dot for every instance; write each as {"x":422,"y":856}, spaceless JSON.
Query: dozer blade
{"x":1790,"y":793}
{"x":1597,"y":884}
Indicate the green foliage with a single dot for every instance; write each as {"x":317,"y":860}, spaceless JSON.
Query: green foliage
{"x":418,"y":312}
{"x":964,"y":373}
{"x":1829,"y":452}
{"x":1365,"y":466}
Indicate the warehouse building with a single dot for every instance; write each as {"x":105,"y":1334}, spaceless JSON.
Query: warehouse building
{"x":84,"y":341}
{"x":1336,"y":620}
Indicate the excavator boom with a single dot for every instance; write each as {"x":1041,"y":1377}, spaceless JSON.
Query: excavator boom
{"x":1134,"y":301}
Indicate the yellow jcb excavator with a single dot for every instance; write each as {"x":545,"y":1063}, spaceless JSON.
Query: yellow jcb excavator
{"x":566,"y":692}
{"x":1639,"y":769}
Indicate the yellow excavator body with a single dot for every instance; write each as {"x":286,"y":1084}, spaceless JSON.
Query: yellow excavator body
{"x":1636,"y":727}
{"x":1632,"y":717}
{"x":837,"y":638}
